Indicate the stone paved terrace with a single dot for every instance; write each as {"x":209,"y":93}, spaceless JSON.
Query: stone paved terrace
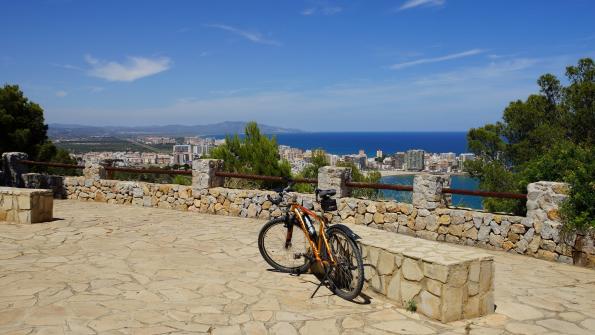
{"x":108,"y":269}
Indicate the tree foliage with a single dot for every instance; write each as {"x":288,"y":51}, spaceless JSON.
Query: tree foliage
{"x":254,"y":153}
{"x":22,"y":129}
{"x":549,"y":136}
{"x":22,"y":125}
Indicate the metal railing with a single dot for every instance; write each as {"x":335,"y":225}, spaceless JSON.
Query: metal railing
{"x":351,"y":184}
{"x":265,"y":178}
{"x":51,"y":164}
{"x":109,"y":169}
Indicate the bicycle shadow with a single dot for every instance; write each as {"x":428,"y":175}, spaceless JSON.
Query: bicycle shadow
{"x":362,"y":299}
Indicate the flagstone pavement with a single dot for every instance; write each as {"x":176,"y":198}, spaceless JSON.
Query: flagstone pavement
{"x":107,"y":269}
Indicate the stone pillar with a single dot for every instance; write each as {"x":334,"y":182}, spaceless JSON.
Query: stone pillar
{"x":544,"y":199}
{"x":427,"y":191}
{"x":12,"y":169}
{"x":44,"y":181}
{"x":94,"y":171}
{"x":333,"y":177}
{"x":203,"y":174}
{"x":447,"y":197}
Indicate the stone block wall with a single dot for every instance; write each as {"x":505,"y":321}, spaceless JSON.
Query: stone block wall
{"x":445,"y":283}
{"x":25,"y":205}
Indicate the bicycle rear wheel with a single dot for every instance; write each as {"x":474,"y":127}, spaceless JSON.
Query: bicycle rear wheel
{"x":347,"y":275}
{"x":281,"y":254}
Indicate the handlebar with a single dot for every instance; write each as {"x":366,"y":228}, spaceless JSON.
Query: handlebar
{"x":281,"y":193}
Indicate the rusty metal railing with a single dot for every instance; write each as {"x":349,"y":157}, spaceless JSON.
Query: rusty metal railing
{"x":109,"y":169}
{"x":265,"y":178}
{"x":351,"y":184}
{"x":52,"y":164}
{"x":505,"y":195}
{"x":392,"y":187}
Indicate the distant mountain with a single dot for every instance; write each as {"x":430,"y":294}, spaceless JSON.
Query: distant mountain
{"x":59,"y":130}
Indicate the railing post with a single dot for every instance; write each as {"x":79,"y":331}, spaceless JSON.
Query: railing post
{"x":203,"y":174}
{"x":427,"y":191}
{"x":13,"y":169}
{"x":333,"y":177}
{"x":94,"y":171}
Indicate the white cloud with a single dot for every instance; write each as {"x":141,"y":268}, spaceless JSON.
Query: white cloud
{"x":251,"y":36}
{"x":417,"y":3}
{"x":322,"y":10}
{"x":135,"y":68}
{"x":463,"y":54}
{"x":61,"y":94}
{"x":492,"y":71}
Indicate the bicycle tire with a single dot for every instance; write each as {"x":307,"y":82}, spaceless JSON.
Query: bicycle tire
{"x":343,"y":284}
{"x":266,"y":254}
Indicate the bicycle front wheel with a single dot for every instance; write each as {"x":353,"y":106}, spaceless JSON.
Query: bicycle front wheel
{"x":347,"y":275}
{"x":283,"y":246}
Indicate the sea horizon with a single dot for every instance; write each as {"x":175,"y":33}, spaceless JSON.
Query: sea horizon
{"x":344,"y":143}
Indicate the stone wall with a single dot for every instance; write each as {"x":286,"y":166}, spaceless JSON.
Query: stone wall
{"x":523,"y":235}
{"x":25,"y":205}
{"x":445,"y":282}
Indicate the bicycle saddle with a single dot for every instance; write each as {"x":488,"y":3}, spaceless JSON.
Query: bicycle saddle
{"x":325,"y":193}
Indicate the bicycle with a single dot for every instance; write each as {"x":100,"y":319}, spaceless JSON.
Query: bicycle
{"x":330,"y":253}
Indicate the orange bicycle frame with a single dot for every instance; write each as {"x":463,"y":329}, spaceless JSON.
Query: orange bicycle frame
{"x":297,"y":210}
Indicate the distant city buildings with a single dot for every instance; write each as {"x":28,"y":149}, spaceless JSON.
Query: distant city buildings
{"x":157,"y":140}
{"x":196,"y":147}
{"x":125,"y":158}
{"x":466,"y":157}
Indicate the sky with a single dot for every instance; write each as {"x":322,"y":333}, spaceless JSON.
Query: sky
{"x":401,"y":65}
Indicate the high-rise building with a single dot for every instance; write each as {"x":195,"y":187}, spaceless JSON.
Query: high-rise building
{"x":182,"y":154}
{"x":448,"y":156}
{"x":466,"y":157}
{"x":414,"y":160}
{"x":379,"y":153}
{"x":399,"y":160}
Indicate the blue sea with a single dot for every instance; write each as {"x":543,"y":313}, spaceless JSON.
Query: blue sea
{"x":342,"y":143}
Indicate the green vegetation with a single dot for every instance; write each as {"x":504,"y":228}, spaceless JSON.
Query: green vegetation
{"x":182,"y":180}
{"x":255,"y":153}
{"x":22,"y":129}
{"x":550,"y":136}
{"x":411,"y":306}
